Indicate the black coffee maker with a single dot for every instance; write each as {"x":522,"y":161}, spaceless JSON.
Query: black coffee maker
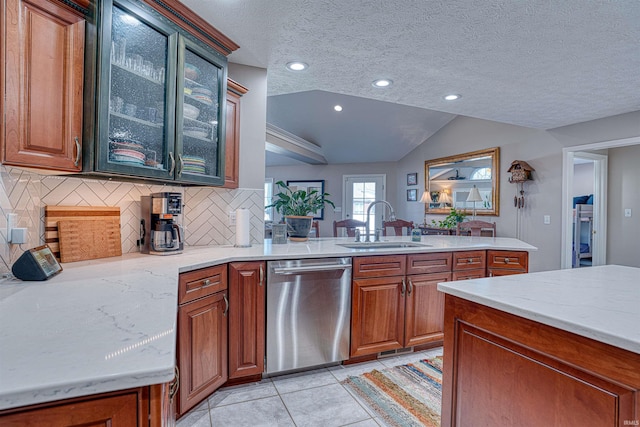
{"x":160,"y":233}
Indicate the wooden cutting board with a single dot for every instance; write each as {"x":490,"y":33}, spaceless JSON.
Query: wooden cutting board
{"x":77,"y":233}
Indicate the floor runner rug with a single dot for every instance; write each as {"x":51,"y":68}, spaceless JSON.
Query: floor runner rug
{"x":405,"y":395}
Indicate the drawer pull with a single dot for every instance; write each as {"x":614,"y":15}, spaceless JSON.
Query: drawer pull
{"x":206,"y":282}
{"x":506,"y":260}
{"x":469,"y":261}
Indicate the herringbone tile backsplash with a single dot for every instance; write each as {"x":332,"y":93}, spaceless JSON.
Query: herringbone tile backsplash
{"x":205,"y":218}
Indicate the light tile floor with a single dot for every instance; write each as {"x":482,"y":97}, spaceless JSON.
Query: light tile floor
{"x":313,"y":398}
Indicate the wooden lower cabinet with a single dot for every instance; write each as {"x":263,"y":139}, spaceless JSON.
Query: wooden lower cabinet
{"x":202,"y":340}
{"x":128,"y":408}
{"x":397,"y":311}
{"x":504,"y":370}
{"x":377,"y":315}
{"x":424,"y":311}
{"x":246,"y":319}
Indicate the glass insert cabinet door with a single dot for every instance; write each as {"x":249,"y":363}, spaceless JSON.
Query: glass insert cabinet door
{"x":201,"y":81}
{"x":158,"y":97}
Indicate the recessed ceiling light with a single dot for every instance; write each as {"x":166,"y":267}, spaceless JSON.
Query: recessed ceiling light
{"x":338,"y":108}
{"x":452,"y":97}
{"x":297,"y":66}
{"x":382,"y":83}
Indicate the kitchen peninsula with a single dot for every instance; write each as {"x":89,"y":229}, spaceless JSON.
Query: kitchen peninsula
{"x":110,"y":324}
{"x":553,"y":348}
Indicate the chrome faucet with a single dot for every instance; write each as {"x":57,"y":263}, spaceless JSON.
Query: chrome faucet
{"x":392,"y":216}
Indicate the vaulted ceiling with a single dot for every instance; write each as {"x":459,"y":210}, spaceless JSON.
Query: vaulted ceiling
{"x":535,"y":63}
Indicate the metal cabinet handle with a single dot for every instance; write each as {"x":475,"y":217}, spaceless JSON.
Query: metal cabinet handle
{"x":410,"y":287}
{"x":226,"y":302}
{"x":469,"y":261}
{"x":404,"y":287}
{"x":173,"y":163}
{"x":175,"y":384}
{"x":78,"y":150}
{"x":261,"y":275}
{"x":181,"y":164}
{"x":206,"y":282}
{"x":506,"y":260}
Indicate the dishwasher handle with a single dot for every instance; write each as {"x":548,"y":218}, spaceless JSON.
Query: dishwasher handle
{"x":310,"y":268}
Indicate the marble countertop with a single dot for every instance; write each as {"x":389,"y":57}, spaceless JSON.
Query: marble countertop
{"x":601,"y":303}
{"x":110,"y":324}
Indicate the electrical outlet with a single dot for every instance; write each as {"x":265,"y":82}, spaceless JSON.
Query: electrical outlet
{"x":627,"y":213}
{"x":232,"y":218}
{"x":12,"y":221}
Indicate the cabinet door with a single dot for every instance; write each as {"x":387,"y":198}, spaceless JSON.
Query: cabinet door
{"x":126,"y":409}
{"x":232,"y":148}
{"x":200,"y":131}
{"x":43,"y":79}
{"x":424,"y":318}
{"x":202,"y":349}
{"x":377,"y":317}
{"x":136,"y":96}
{"x":246,"y":318}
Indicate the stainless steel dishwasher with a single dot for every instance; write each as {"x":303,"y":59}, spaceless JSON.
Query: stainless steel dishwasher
{"x":308,"y":313}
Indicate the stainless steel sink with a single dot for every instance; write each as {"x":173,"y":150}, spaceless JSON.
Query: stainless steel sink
{"x":381,"y":245}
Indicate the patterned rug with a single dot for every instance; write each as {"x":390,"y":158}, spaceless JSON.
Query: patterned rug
{"x":405,"y":395}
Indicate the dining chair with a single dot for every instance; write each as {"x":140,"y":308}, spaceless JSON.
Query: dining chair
{"x":349,"y":225}
{"x":315,"y":226}
{"x":476,"y":228}
{"x":397,"y":226}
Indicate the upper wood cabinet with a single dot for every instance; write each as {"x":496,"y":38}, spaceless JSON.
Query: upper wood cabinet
{"x":160,"y":96}
{"x":42,"y":83}
{"x":232,"y":149}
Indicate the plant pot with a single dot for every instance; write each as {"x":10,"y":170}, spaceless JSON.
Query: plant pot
{"x":298,"y":227}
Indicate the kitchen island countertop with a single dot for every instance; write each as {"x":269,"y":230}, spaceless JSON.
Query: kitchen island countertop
{"x":601,"y":303}
{"x":110,"y":324}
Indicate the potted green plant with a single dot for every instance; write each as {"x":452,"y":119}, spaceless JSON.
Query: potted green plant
{"x":295,"y":206}
{"x":451,"y":220}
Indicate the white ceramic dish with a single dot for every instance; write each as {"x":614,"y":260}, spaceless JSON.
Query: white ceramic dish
{"x":190,"y":112}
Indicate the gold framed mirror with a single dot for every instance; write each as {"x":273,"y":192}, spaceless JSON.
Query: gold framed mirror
{"x":450,"y":181}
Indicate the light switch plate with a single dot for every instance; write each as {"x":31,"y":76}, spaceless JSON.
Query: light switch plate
{"x":232,"y":218}
{"x":547,"y":219}
{"x":627,"y":213}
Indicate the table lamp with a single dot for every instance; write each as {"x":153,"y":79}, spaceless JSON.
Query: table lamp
{"x":426,"y":199}
{"x":444,"y":198}
{"x":474,"y":196}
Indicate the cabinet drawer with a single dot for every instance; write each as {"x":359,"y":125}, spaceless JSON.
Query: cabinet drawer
{"x":508,"y":260}
{"x":379,"y":266}
{"x":469,"y":260}
{"x":200,"y":283}
{"x":469,"y":274}
{"x":429,"y":263}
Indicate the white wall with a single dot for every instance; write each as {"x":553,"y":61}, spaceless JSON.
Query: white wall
{"x":583,"y":180}
{"x":623,"y":233}
{"x":332,"y":174}
{"x":253,"y":124}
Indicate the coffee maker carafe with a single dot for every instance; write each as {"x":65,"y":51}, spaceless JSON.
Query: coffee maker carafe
{"x":160,"y":233}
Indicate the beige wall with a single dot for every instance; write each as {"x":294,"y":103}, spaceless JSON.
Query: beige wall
{"x":623,"y":233}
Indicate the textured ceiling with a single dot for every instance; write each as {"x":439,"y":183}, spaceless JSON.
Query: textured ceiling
{"x":534,"y":63}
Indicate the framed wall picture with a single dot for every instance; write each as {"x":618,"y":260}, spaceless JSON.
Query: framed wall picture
{"x":309,"y":186}
{"x":412,"y":195}
{"x":412,"y":178}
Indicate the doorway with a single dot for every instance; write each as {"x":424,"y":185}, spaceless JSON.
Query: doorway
{"x":600,"y":173}
{"x":358,"y":192}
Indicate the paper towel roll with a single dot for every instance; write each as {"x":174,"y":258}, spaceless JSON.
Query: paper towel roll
{"x":243,"y":228}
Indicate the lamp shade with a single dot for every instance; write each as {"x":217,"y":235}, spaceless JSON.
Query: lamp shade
{"x":426,"y":197}
{"x":444,"y":198}
{"x":474,"y":195}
